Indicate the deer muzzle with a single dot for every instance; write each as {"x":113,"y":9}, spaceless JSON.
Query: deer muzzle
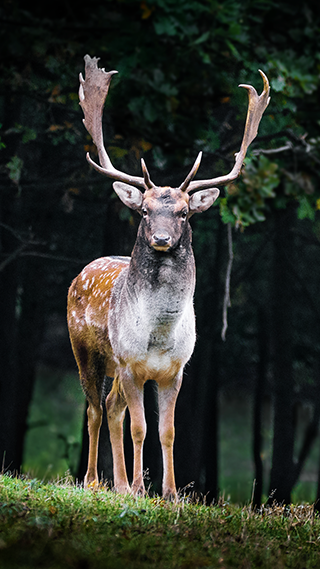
{"x":161,"y":241}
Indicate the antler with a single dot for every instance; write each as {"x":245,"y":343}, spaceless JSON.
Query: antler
{"x":185,"y":185}
{"x":257,"y":106}
{"x":92,"y":94}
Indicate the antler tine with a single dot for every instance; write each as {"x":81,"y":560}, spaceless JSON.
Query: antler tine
{"x":93,"y":91}
{"x":146,"y":175}
{"x":256,"y":108}
{"x":184,"y":186}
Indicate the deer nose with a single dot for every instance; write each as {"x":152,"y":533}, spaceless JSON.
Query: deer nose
{"x":161,"y":239}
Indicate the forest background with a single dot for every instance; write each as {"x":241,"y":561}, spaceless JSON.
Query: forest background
{"x":176,"y":93}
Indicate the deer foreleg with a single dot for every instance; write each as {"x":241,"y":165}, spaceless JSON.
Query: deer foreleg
{"x":116,"y":407}
{"x":167,"y":402}
{"x":134,"y":397}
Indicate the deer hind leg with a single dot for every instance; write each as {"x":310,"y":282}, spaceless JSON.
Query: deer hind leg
{"x":94,"y":423}
{"x":116,"y":407}
{"x":134,"y":397}
{"x":167,"y":402}
{"x":92,"y":372}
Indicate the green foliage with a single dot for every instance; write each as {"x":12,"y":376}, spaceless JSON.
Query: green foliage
{"x":64,"y":525}
{"x":27,"y":134}
{"x":179,"y":63}
{"x":15,"y":169}
{"x":248,"y":201}
{"x":305,"y":209}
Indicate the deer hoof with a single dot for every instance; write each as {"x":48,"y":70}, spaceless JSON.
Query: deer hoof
{"x":138,"y":489}
{"x":122,"y":489}
{"x":170,"y":494}
{"x":91,"y":482}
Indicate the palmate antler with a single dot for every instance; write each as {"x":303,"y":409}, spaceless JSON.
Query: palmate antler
{"x":92,"y":93}
{"x":256,"y":108}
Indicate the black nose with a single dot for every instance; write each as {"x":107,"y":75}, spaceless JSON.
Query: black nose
{"x":161,"y":239}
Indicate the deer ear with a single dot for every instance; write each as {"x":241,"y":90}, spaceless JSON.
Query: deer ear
{"x":202,"y":200}
{"x":130,"y":196}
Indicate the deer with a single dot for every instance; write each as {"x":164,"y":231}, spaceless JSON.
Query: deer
{"x":132,"y":318}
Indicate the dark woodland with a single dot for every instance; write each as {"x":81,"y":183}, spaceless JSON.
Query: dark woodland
{"x":176,"y":93}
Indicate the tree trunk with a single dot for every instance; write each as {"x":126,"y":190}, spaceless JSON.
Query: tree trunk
{"x":208,"y":374}
{"x":10,"y":456}
{"x":210,"y":455}
{"x":257,"y":407}
{"x":30,"y":327}
{"x":281,"y":478}
{"x":22,"y":310}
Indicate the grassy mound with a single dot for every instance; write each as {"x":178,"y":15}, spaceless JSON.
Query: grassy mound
{"x":60,"y":525}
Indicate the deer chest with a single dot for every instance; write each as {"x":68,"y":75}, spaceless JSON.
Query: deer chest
{"x":156,"y":332}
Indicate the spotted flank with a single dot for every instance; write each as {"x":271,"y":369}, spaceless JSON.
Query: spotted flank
{"x":89,"y":294}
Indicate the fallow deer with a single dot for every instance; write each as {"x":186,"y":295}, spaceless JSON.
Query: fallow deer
{"x":132,"y":319}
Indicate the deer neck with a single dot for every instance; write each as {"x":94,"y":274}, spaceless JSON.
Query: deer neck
{"x":173,"y":271}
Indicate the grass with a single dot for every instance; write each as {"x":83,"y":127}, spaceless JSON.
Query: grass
{"x":60,"y":525}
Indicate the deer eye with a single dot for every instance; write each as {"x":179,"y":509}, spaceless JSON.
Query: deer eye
{"x":184,"y":214}
{"x":144,"y":212}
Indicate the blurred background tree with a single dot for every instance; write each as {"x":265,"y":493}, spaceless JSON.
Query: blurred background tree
{"x":179,"y":65}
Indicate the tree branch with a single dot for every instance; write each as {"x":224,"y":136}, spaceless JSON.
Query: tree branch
{"x":13,"y":256}
{"x":288,"y":146}
{"x":226,"y":300}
